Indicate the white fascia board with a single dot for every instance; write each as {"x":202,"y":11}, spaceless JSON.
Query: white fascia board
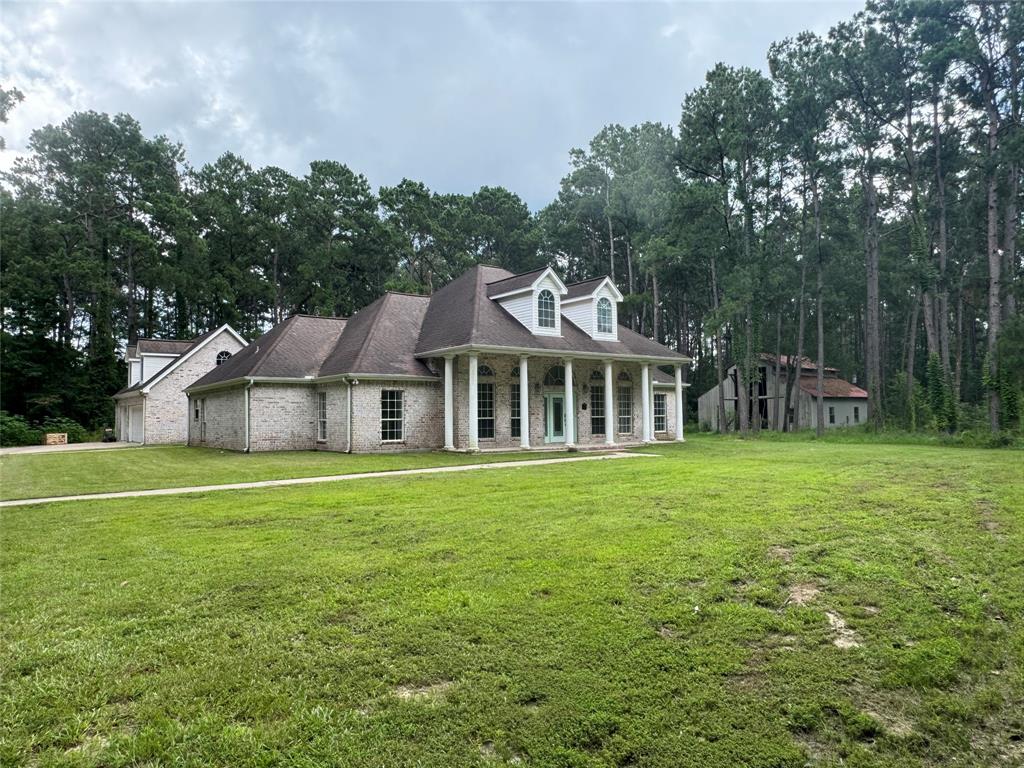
{"x":160,"y":376}
{"x":562,"y":290}
{"x":534,"y":352}
{"x":160,"y":354}
{"x":616,"y":293}
{"x":376,"y":377}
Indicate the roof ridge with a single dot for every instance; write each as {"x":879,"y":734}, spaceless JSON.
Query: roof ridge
{"x":408,"y":293}
{"x":357,"y":358}
{"x":510,"y":277}
{"x":271,"y":346}
{"x":317,"y":317}
{"x":588,"y":280}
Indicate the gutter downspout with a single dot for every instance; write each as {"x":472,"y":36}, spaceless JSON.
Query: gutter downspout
{"x":348,"y":417}
{"x":247,"y":413}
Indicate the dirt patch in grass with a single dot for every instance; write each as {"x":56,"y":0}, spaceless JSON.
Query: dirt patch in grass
{"x":423,"y":692}
{"x":785,"y":554}
{"x":845,"y":637}
{"x":803,"y":593}
{"x":666,"y":631}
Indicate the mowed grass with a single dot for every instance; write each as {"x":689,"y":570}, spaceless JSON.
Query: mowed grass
{"x":681,"y":610}
{"x":43,"y":475}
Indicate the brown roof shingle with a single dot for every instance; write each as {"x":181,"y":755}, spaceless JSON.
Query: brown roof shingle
{"x":380,"y":339}
{"x":831,"y":387}
{"x":292,"y":349}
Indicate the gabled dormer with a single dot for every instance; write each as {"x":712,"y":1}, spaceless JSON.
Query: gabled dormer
{"x":593,"y":305}
{"x":533,"y":298}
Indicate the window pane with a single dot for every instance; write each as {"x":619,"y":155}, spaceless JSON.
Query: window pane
{"x":604,"y":316}
{"x":514,"y":410}
{"x":545,"y":309}
{"x":391,"y":414}
{"x":321,"y":415}
{"x":485,"y":410}
{"x":659,"y":413}
{"x":597,"y":409}
{"x":625,"y":410}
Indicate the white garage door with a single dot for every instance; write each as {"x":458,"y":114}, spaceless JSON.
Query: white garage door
{"x":135,"y":432}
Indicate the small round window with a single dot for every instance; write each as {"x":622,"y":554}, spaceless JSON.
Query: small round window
{"x":222,"y":357}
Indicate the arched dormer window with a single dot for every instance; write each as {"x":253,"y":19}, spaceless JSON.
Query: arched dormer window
{"x":515,"y":372}
{"x":597,"y":375}
{"x":222,"y":357}
{"x":545,"y":309}
{"x":484,"y":370}
{"x":555,"y":377}
{"x":624,"y":377}
{"x":604,"y":315}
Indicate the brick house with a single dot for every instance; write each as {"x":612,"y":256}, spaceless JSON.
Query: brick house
{"x":491,"y":361}
{"x":152,"y":408}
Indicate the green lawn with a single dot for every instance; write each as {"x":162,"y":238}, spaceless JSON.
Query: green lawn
{"x":24,"y":476}
{"x":683,"y":610}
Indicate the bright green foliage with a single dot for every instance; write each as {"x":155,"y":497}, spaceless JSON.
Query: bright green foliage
{"x":652,"y":611}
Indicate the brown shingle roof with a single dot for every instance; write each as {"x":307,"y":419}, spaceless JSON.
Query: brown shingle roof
{"x":583,"y":288}
{"x":380,"y":339}
{"x":511,"y":282}
{"x":292,"y":349}
{"x":831,"y":387}
{"x":164,"y":346}
{"x":461,"y":314}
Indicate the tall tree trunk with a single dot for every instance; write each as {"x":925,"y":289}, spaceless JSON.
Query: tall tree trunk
{"x":775,"y":377}
{"x":942,"y":307}
{"x":911,"y":355}
{"x":719,"y":373}
{"x":994,"y":262}
{"x":1012,"y":187}
{"x":820,"y":305}
{"x":742,"y":397}
{"x":872,"y":320}
{"x":611,"y":232}
{"x":655,"y":309}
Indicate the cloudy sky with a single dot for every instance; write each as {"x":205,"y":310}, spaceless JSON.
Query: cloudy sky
{"x":455,"y":95}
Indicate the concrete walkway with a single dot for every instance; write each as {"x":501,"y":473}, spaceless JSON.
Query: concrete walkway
{"x":323,"y":479}
{"x":67,"y":448}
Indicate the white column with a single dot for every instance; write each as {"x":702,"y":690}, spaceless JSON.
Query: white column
{"x":524,"y":402}
{"x":474,"y":442}
{"x":679,"y":404}
{"x":645,"y":402}
{"x":611,"y":419}
{"x":570,"y":413}
{"x":449,"y":404}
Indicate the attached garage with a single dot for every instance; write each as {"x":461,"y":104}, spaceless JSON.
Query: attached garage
{"x":136,"y":430}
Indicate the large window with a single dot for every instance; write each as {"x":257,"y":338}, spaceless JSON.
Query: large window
{"x":856,"y":414}
{"x":321,"y":416}
{"x":485,"y":409}
{"x":555,"y":377}
{"x":625,"y":409}
{"x":514,"y":420}
{"x":604,"y":316}
{"x":831,"y":414}
{"x":392,"y":415}
{"x":660,"y":412}
{"x":545,"y":309}
{"x":597,"y":409}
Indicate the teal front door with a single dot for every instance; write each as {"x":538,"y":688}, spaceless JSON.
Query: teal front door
{"x":554,"y":418}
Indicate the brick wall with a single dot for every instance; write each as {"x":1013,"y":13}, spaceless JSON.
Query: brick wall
{"x":224,"y":416}
{"x":167,"y":418}
{"x":423,"y":414}
{"x":282,"y":417}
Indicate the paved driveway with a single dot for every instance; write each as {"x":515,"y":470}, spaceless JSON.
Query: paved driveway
{"x":64,"y":448}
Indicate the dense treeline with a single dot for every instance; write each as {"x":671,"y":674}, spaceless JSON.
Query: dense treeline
{"x":859,"y":204}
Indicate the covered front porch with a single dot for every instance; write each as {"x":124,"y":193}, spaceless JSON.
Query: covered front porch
{"x":495,"y":401}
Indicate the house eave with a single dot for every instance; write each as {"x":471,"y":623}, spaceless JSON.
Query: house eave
{"x":534,"y":352}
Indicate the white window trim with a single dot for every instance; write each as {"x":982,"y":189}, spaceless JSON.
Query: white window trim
{"x":321,"y":416}
{"x":400,"y":420}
